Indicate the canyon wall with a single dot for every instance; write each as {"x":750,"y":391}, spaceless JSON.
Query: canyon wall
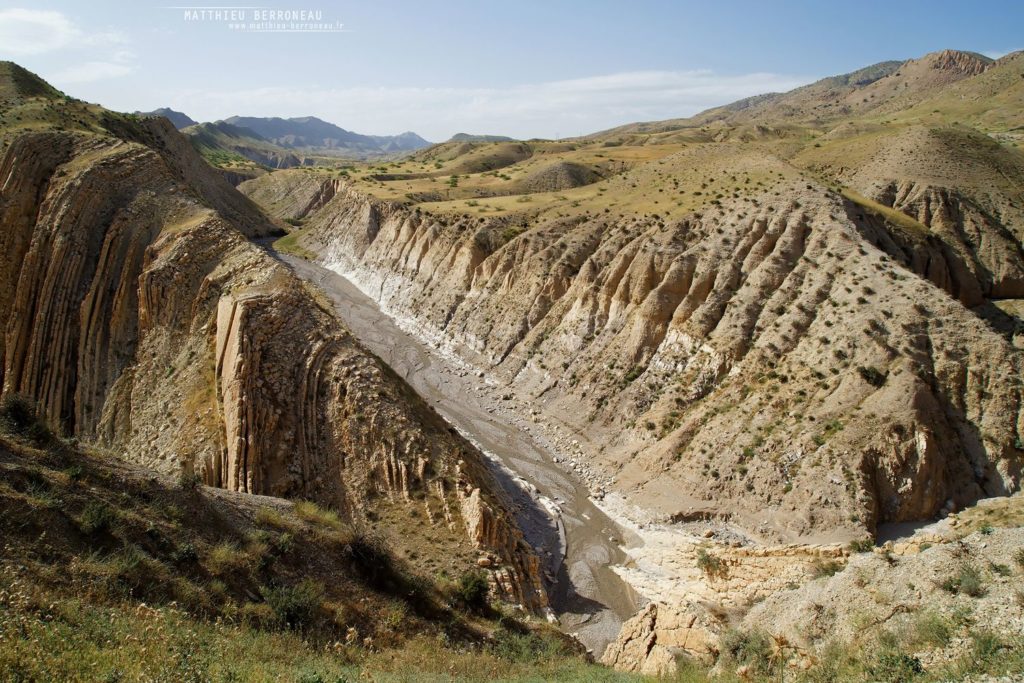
{"x":140,"y":318}
{"x":761,"y":355}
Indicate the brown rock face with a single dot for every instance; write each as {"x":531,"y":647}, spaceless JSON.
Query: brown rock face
{"x":292,"y":194}
{"x":651,"y":642}
{"x":758,"y":356}
{"x":138,"y":315}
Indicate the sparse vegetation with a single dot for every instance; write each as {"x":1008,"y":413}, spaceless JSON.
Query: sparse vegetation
{"x":295,"y":606}
{"x":873,"y":375}
{"x":711,"y":565}
{"x":314,"y":514}
{"x":472,"y":590}
{"x":19,"y":418}
{"x":825,"y":568}
{"x":967,"y":581}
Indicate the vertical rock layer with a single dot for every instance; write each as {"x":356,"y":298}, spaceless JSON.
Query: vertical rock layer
{"x":138,"y":315}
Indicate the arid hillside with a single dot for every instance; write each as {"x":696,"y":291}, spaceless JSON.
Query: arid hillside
{"x":140,"y":318}
{"x":804,"y":326}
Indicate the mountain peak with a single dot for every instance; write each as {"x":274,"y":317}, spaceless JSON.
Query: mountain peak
{"x":178,"y":119}
{"x":957,"y":61}
{"x":17,"y":81}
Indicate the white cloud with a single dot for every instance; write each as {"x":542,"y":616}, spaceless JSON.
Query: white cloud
{"x":88,"y":56}
{"x":32,"y":32}
{"x":567,"y":107}
{"x":87,"y":72}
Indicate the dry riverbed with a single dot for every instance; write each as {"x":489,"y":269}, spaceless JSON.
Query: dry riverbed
{"x":578,"y":543}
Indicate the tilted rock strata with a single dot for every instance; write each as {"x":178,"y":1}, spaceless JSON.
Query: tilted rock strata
{"x":760,"y":355}
{"x":138,"y":317}
{"x":291,"y":195}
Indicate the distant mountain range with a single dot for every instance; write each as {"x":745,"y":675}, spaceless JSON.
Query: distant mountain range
{"x":282,"y":143}
{"x":311,"y":133}
{"x":179,"y":119}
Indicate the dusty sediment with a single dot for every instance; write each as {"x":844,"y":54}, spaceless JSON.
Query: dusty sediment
{"x":576,"y":542}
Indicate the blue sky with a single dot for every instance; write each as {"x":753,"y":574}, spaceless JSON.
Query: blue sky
{"x":525,"y":68}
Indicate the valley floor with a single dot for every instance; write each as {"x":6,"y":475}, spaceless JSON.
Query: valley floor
{"x":554,"y":508}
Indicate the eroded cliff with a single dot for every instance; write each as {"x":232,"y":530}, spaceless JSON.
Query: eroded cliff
{"x":138,"y":315}
{"x":758,"y":355}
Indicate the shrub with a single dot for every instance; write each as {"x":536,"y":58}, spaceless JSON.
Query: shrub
{"x":529,"y":647}
{"x":96,"y":517}
{"x":633,"y":373}
{"x":184,"y":553}
{"x":268,"y":516}
{"x":873,"y":375}
{"x":473,"y":589}
{"x":985,"y":645}
{"x":967,"y":581}
{"x":189,"y":481}
{"x":1001,"y":569}
{"x":258,"y":614}
{"x":20,"y":418}
{"x":294,"y":606}
{"x":711,"y":565}
{"x":75,"y":473}
{"x":224,"y":558}
{"x":749,"y":648}
{"x":933,"y":629}
{"x":892,"y":666}
{"x":1018,"y":557}
{"x":864,"y":545}
{"x":824,"y":568}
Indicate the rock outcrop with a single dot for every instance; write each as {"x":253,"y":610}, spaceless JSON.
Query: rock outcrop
{"x":292,"y":195}
{"x":139,"y":316}
{"x":763,"y":354}
{"x":652,"y":641}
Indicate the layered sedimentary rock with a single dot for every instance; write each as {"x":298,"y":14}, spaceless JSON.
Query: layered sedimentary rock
{"x":761,"y":354}
{"x":292,"y":195}
{"x":138,"y":315}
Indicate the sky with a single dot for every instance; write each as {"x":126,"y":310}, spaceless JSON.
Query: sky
{"x":529,"y":68}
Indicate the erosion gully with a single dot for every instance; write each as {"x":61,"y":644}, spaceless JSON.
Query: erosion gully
{"x":578,"y":544}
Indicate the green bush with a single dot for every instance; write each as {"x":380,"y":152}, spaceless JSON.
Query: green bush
{"x":711,"y":565}
{"x":864,"y":545}
{"x":985,"y":645}
{"x":294,"y":606}
{"x":528,"y":647}
{"x":189,"y":481}
{"x":873,"y":375}
{"x":892,"y":666}
{"x":967,"y":582}
{"x":20,"y":418}
{"x":933,"y":629}
{"x":749,"y":648}
{"x":96,"y":517}
{"x":825,"y":568}
{"x":473,"y":590}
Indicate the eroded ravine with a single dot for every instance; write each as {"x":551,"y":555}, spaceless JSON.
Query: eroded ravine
{"x":578,"y":543}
